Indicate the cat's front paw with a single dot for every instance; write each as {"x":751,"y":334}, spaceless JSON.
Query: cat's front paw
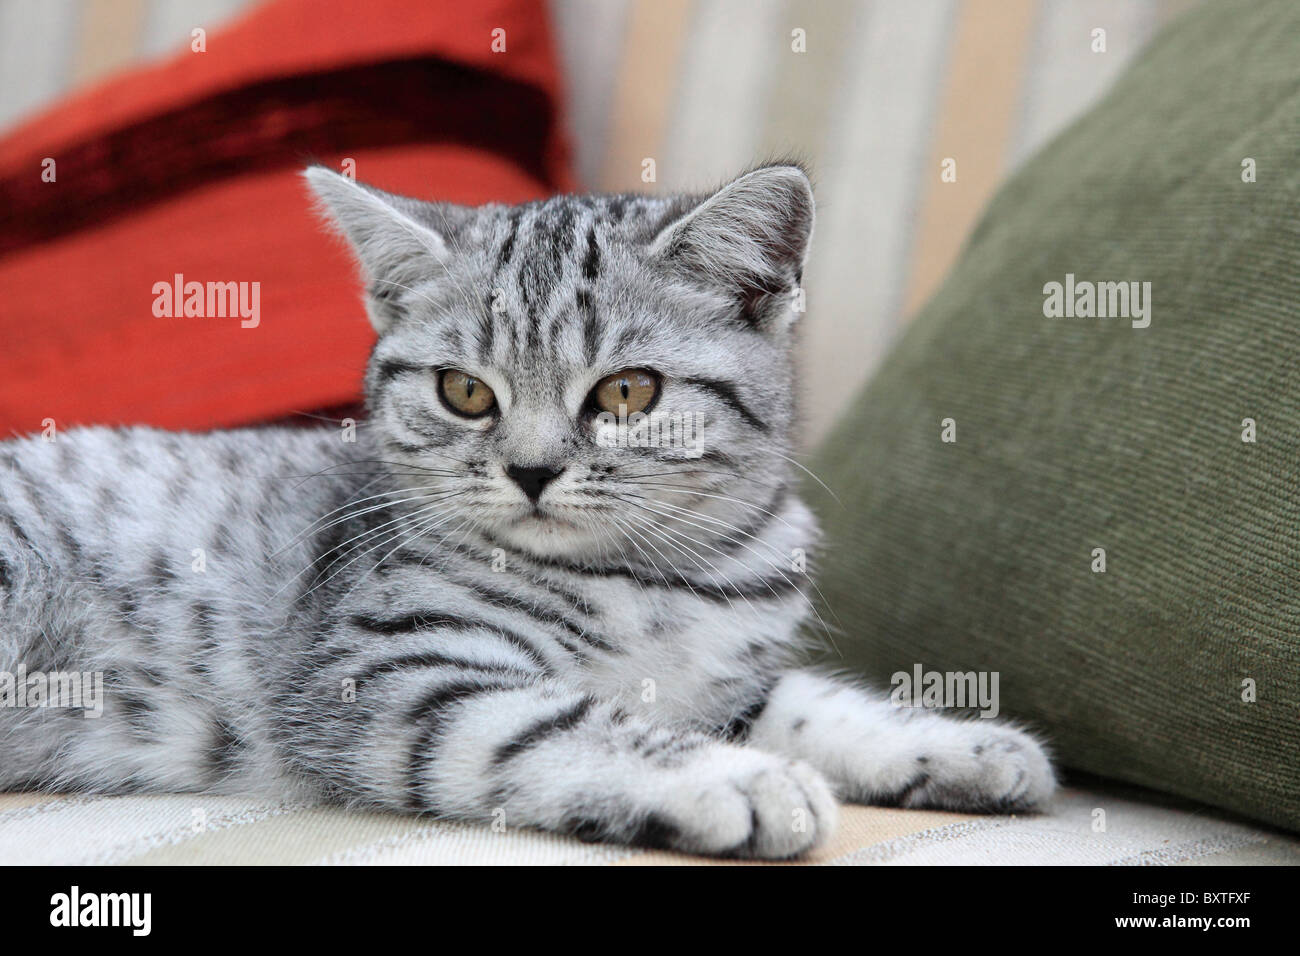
{"x":744,"y":803}
{"x":993,"y":769}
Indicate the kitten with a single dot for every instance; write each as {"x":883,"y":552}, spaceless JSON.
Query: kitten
{"x":497,"y":599}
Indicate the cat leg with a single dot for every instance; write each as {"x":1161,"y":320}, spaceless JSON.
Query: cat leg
{"x":874,"y":751}
{"x":488,"y":740}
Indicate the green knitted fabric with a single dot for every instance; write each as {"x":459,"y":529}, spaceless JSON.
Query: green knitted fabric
{"x":1074,"y":434}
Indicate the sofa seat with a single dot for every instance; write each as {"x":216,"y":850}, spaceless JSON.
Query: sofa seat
{"x":1140,"y":830}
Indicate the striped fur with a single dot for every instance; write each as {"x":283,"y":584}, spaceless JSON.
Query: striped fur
{"x":394,"y":623}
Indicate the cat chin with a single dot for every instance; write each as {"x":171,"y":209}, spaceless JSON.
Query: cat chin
{"x":549,"y":537}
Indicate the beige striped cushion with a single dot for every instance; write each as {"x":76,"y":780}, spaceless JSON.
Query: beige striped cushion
{"x":39,"y":829}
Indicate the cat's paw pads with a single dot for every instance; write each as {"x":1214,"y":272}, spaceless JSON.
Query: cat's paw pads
{"x":1005,"y":771}
{"x":751,"y":805}
{"x":1016,"y":771}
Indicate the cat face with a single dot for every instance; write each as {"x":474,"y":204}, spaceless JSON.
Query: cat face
{"x":585,"y":378}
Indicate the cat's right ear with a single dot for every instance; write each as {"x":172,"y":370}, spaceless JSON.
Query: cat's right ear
{"x":395,"y":251}
{"x":748,"y":240}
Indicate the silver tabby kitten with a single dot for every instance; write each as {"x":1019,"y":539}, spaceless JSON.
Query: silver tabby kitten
{"x":481,"y":603}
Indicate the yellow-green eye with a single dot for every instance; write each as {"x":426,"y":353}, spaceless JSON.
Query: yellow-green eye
{"x":632,"y":390}
{"x":465,"y":394}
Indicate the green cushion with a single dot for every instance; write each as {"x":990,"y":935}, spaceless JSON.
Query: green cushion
{"x":1080,"y":433}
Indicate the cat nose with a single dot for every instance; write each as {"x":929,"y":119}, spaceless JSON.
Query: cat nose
{"x":532,"y":480}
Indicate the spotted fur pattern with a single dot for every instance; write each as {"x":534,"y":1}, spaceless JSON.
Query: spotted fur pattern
{"x":393,"y":623}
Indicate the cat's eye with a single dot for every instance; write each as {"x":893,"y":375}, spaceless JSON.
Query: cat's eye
{"x":464,"y":394}
{"x":628,"y":391}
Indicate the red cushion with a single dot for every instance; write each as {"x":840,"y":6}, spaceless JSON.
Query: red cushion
{"x":191,"y":167}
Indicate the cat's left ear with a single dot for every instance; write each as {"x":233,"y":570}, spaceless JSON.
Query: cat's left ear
{"x":748,"y":240}
{"x":396,"y":250}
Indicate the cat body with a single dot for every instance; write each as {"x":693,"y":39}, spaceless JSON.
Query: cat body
{"x":488,"y":601}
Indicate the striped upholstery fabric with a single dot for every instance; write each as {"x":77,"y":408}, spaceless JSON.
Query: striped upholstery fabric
{"x":153,"y":830}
